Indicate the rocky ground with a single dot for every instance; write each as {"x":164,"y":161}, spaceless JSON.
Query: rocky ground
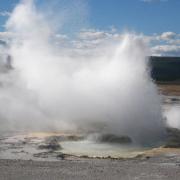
{"x":141,"y":168}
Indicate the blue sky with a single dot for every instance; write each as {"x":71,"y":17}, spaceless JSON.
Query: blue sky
{"x":146,"y":16}
{"x":157,"y":20}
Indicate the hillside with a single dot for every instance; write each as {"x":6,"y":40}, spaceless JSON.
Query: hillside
{"x":165,"y":69}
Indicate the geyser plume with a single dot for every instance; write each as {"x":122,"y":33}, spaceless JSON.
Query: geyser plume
{"x":106,"y":89}
{"x":173,"y":117}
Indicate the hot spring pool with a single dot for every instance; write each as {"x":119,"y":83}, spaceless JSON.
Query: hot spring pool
{"x":94,"y":149}
{"x":27,"y":147}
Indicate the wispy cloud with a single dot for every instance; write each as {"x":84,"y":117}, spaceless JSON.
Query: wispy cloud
{"x":5,"y":36}
{"x":149,"y":1}
{"x":166,"y":50}
{"x":164,"y":44}
{"x":5,"y":13}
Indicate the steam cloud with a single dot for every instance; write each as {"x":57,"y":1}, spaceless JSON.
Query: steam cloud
{"x":62,"y":88}
{"x":173,"y":116}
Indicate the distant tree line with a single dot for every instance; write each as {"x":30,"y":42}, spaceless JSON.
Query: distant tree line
{"x":165,"y":69}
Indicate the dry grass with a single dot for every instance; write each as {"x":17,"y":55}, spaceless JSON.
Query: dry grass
{"x":160,"y":151}
{"x":170,"y":89}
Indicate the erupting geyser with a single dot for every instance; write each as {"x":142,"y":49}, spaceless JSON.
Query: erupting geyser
{"x":106,"y":89}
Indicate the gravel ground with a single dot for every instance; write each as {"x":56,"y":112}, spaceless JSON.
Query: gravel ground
{"x":154,"y":168}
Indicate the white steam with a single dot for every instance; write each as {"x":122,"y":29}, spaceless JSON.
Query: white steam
{"x":106,"y":89}
{"x":173,"y":117}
